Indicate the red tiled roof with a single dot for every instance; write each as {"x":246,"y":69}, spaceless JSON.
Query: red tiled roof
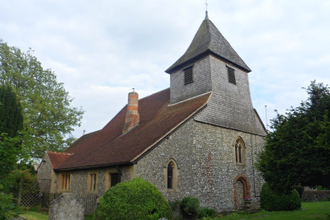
{"x":80,"y":140}
{"x":57,"y":158}
{"x":109,"y":146}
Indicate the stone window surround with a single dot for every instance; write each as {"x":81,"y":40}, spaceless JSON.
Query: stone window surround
{"x":175,"y":176}
{"x":65,"y":181}
{"x":236,"y":152}
{"x":108,"y":177}
{"x":89,"y":180}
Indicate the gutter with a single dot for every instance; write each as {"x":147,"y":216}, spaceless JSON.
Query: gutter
{"x":95,"y":166}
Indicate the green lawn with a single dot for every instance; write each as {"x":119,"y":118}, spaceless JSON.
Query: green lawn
{"x":310,"y":210}
{"x":31,"y":215}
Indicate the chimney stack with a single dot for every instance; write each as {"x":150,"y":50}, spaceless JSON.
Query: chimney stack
{"x":132,"y":115}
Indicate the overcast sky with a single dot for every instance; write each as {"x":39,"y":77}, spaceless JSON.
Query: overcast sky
{"x":102,"y":49}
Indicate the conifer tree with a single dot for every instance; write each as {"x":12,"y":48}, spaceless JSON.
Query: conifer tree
{"x":11,"y":118}
{"x":297,"y":149}
{"x":11,"y":122}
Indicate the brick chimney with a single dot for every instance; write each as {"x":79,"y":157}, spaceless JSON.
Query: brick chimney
{"x":132,"y":115}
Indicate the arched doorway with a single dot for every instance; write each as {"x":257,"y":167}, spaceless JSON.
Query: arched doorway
{"x":241,"y":191}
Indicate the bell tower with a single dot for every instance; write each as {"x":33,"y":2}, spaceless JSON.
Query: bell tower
{"x":210,"y":64}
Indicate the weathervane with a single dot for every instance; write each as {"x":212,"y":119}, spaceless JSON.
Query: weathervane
{"x":206,"y":15}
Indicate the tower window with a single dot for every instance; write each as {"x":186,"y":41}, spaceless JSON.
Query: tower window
{"x":188,"y":75}
{"x":239,"y":151}
{"x":231,"y":75}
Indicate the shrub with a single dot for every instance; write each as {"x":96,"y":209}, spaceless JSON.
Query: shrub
{"x":189,"y":207}
{"x":300,"y":190}
{"x":6,"y":206}
{"x":206,"y":212}
{"x":133,"y":200}
{"x":274,"y":201}
{"x":174,"y":204}
{"x":321,"y":188}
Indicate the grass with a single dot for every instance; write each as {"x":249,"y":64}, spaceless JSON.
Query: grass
{"x":37,"y":215}
{"x":33,"y":215}
{"x":309,"y":211}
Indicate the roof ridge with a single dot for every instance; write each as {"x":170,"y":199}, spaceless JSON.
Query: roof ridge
{"x":152,"y":94}
{"x":63,"y":153}
{"x":209,"y":30}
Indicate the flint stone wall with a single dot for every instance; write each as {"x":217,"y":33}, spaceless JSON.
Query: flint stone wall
{"x":205,"y":157}
{"x":66,"y":207}
{"x":314,"y":196}
{"x":79,"y":186}
{"x":44,"y":175}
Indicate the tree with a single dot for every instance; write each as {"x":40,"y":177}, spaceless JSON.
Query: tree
{"x":48,"y":116}
{"x":297,"y":149}
{"x":11,"y":118}
{"x":11,"y":122}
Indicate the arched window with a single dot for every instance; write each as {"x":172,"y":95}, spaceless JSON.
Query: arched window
{"x":171,"y":173}
{"x":239,"y":151}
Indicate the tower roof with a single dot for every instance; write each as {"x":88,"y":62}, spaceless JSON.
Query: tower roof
{"x":209,"y":40}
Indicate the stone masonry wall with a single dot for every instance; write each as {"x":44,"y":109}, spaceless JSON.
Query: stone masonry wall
{"x":79,"y":185}
{"x":66,"y":207}
{"x":45,"y":169}
{"x":205,"y":157}
{"x":44,"y":177}
{"x":313,"y":196}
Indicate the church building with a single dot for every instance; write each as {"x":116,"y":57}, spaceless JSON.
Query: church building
{"x":198,"y":138}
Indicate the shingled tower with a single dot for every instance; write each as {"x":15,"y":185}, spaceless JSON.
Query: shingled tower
{"x":210,"y":64}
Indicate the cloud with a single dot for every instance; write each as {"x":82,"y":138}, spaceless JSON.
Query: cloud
{"x":102,"y":49}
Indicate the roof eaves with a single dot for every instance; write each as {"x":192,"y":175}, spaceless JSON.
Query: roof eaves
{"x":94,"y":166}
{"x":207,"y":52}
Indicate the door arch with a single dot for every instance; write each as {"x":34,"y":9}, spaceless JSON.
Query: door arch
{"x":241,"y":191}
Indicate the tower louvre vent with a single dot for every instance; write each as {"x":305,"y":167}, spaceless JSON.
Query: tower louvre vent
{"x":231,"y":75}
{"x":188,"y":75}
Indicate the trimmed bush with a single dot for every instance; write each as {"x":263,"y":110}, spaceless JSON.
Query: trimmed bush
{"x":206,"y":212}
{"x":189,"y":207}
{"x":133,"y":200}
{"x":273,"y":201}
